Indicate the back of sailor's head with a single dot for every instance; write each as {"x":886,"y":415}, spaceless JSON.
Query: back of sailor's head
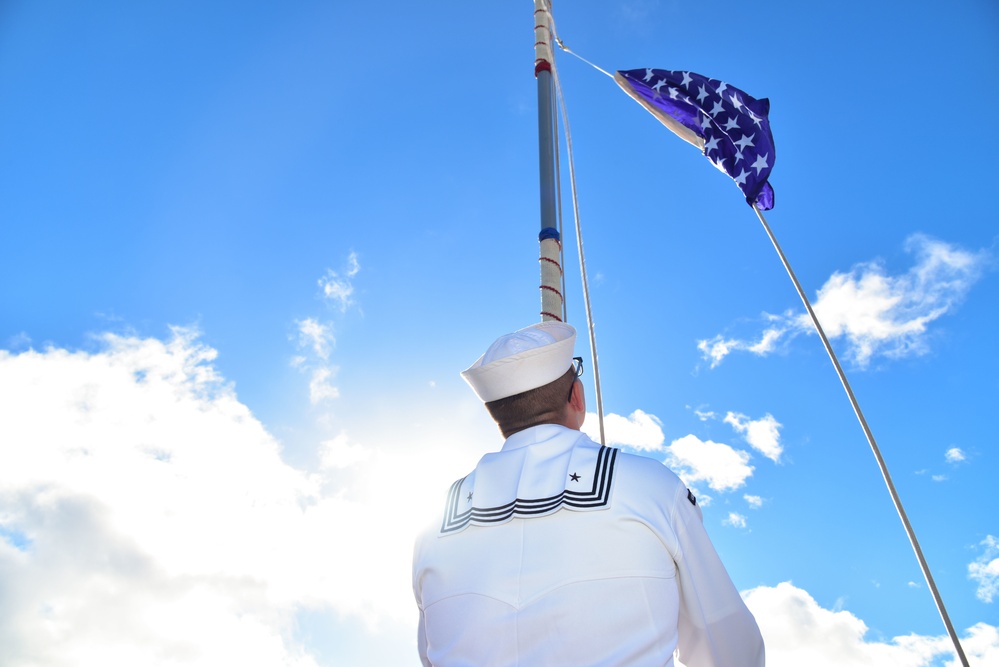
{"x":520,"y":376}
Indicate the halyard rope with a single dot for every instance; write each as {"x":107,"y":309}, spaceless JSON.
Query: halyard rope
{"x":579,"y":235}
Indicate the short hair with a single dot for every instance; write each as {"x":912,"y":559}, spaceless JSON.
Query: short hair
{"x":544,"y":405}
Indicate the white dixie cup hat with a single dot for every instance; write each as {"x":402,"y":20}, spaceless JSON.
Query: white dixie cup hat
{"x":523,"y":360}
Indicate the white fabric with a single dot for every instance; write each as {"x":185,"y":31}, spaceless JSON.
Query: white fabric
{"x":551,"y":279}
{"x":676,"y":127}
{"x":542,"y":49}
{"x":523,"y":360}
{"x":624,"y":584}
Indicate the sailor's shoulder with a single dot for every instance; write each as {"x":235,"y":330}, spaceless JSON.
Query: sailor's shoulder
{"x":641,"y":472}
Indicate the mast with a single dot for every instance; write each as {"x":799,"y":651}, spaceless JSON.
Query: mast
{"x":552,"y":300}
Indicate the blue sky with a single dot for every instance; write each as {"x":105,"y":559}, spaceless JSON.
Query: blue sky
{"x":247,"y":248}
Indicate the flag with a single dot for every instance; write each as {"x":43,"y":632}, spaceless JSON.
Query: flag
{"x":730,"y":127}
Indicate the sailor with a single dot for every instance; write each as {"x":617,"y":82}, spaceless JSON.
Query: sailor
{"x":558,"y":551}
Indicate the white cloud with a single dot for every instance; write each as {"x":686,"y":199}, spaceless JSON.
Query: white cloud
{"x":639,"y":430}
{"x":954,"y":455}
{"x":339,"y":288}
{"x":939,"y":478}
{"x":735,"y":519}
{"x":763,"y":434}
{"x":317,"y":340}
{"x":316,"y":336}
{"x":146,"y":516}
{"x":985,"y":570}
{"x":320,"y":386}
{"x":719,"y":347}
{"x":877,"y":313}
{"x":340,"y":452}
{"x":886,"y":314}
{"x":721,"y":466}
{"x":797,"y":631}
{"x":755,"y":502}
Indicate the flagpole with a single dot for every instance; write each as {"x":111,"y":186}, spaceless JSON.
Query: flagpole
{"x":870,"y":439}
{"x":552,"y":299}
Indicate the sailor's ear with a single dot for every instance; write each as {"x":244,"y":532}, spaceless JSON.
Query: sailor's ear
{"x":577,"y":402}
{"x":577,"y":398}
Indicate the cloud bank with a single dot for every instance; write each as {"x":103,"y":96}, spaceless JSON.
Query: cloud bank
{"x":147,"y":517}
{"x":798,"y":631}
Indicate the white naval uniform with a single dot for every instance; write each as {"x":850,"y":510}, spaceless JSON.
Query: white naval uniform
{"x":558,"y":551}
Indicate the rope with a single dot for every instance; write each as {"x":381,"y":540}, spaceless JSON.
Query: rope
{"x":579,"y":238}
{"x":558,"y":188}
{"x":870,"y":439}
{"x":565,"y":48}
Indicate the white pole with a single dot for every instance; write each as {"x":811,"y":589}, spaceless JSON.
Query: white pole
{"x":870,"y":439}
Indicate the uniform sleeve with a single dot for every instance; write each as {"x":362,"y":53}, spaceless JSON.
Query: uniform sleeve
{"x":421,"y":629}
{"x":421,"y":641}
{"x":716,"y":629}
